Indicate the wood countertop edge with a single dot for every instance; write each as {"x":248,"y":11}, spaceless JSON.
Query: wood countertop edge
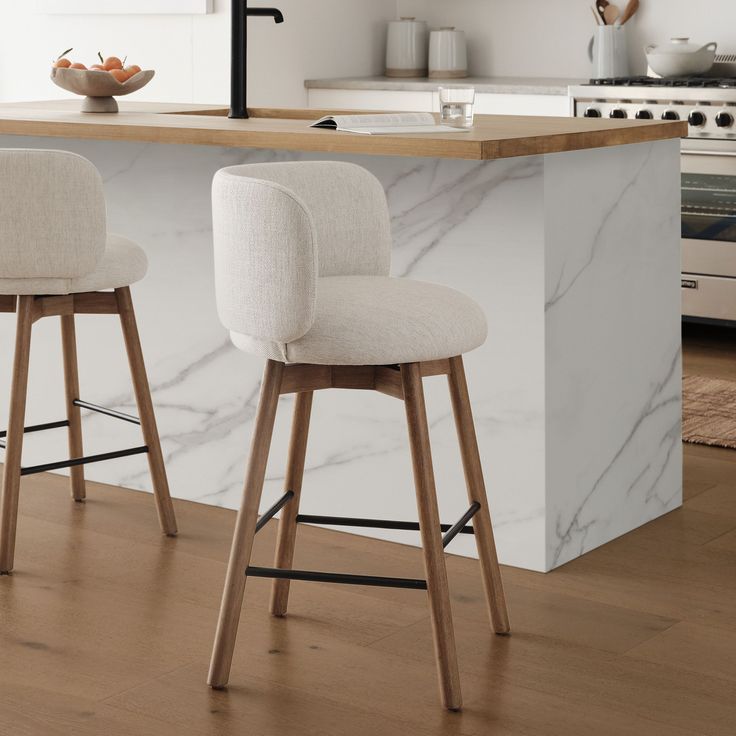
{"x":285,"y":141}
{"x":562,"y":143}
{"x":450,"y":146}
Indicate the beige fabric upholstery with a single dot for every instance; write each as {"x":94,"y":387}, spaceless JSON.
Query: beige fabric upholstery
{"x":263,"y":237}
{"x":302,"y":256}
{"x":52,"y":215}
{"x":122,"y":263}
{"x":278,"y":227}
{"x":352,"y":229}
{"x":376,"y":320}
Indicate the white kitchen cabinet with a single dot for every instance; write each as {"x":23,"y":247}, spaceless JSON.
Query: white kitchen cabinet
{"x":371,"y":99}
{"x":427,"y":101}
{"x":522,"y":104}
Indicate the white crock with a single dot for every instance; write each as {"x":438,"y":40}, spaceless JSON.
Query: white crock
{"x":448,"y":54}
{"x":406,"y":48}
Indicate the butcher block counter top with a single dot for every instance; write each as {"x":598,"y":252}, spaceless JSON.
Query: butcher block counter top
{"x":493,"y":136}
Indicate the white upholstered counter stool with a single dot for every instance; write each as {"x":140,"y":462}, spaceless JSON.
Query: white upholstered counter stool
{"x":56,"y":259}
{"x":302,"y":256}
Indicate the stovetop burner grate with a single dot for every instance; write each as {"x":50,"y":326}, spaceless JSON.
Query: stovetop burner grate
{"x":704,"y":82}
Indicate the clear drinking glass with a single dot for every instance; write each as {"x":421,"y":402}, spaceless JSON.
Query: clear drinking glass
{"x":456,"y":106}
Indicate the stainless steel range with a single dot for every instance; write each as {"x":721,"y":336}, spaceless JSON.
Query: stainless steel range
{"x":708,"y":174}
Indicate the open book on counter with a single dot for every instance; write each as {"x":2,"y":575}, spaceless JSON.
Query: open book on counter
{"x":386,"y":123}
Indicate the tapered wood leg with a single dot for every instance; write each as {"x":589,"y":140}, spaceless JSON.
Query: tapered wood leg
{"x":429,"y":524}
{"x":477,"y":492}
{"x":286,"y":539}
{"x":245,"y":527}
{"x":142,"y":390}
{"x":73,"y":414}
{"x":14,"y":439}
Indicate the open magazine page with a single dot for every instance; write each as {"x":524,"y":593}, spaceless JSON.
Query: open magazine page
{"x":385,"y":123}
{"x":378,"y":120}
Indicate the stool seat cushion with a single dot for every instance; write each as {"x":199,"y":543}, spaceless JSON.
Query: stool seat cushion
{"x":123,"y":263}
{"x":379,"y":320}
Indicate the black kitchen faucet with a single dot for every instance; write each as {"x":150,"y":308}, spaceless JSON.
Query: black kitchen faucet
{"x":239,"y":53}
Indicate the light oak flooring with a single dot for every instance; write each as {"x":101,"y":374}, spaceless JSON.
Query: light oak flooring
{"x":106,"y":627}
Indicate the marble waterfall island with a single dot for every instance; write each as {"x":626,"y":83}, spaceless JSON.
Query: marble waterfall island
{"x":565,"y":230}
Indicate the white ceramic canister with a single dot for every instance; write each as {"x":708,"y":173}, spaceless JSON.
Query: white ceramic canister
{"x":448,"y":54}
{"x":608,"y":52}
{"x":406,"y":48}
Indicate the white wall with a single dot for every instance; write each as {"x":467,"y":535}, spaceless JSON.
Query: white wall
{"x":536,"y":38}
{"x":329,"y":38}
{"x":319,"y":38}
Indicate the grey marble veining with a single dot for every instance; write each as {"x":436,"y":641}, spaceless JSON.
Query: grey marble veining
{"x":486,"y":85}
{"x":576,"y":394}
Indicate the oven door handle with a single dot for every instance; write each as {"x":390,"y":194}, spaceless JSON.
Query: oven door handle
{"x":691,"y":152}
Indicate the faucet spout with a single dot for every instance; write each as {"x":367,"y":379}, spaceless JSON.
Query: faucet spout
{"x":274,"y":13}
{"x":239,"y":53}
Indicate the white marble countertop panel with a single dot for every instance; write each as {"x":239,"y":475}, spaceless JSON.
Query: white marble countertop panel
{"x":489,"y":85}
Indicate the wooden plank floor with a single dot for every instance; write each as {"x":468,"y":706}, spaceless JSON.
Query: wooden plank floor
{"x":106,"y":627}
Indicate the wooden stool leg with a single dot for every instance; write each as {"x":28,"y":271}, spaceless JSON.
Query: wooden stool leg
{"x":245,"y":528}
{"x":429,"y":524}
{"x":286,"y":539}
{"x":142,"y":390}
{"x":14,"y":439}
{"x":477,"y":493}
{"x":73,"y":414}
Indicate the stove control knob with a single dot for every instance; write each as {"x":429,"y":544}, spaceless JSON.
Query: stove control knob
{"x":618,"y":112}
{"x":644,"y":115}
{"x":670,"y":115}
{"x":724,"y":120}
{"x":591,"y":112}
{"x":696,"y":119}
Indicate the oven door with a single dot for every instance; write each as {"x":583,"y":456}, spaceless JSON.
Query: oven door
{"x":709,"y":233}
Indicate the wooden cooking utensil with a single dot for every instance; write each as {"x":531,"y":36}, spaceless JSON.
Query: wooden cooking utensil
{"x":631,"y":7}
{"x":601,"y":6}
{"x":610,"y":14}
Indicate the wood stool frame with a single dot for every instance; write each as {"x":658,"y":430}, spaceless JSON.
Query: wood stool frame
{"x":30,"y":309}
{"x":403,"y":382}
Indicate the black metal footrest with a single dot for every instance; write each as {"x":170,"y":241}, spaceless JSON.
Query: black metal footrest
{"x":459,"y":526}
{"x":451,"y":531}
{"x":336,"y":577}
{"x":46,"y":467}
{"x":107,"y":412}
{"x":268,"y":515}
{"x":36,"y":428}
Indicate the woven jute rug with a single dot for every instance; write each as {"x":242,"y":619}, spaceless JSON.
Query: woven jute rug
{"x":709,"y":411}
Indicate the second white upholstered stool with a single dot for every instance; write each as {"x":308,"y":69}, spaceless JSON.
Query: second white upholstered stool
{"x":57,"y":260}
{"x":302,"y":257}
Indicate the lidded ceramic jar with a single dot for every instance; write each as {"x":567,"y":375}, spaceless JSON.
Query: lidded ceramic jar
{"x":406,"y":48}
{"x":448,"y":54}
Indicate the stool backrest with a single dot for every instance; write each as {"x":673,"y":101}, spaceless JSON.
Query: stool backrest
{"x":52,"y":215}
{"x":280,"y":226}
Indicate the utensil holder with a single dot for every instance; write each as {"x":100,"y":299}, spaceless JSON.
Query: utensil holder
{"x":608,"y":50}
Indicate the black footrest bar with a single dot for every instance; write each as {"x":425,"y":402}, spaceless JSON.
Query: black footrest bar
{"x":107,"y":412}
{"x":456,"y":528}
{"x":407,"y":526}
{"x":336,"y":577}
{"x":40,"y":427}
{"x":268,"y":515}
{"x":83,"y":460}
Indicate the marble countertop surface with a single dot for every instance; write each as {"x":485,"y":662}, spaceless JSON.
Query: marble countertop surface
{"x":489,"y":85}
